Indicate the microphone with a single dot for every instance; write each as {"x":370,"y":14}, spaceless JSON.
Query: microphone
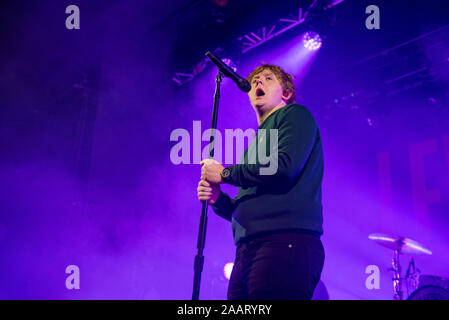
{"x":242,"y":83}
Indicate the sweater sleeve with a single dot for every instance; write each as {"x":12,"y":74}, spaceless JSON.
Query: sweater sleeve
{"x":224,"y":206}
{"x":296,"y":136}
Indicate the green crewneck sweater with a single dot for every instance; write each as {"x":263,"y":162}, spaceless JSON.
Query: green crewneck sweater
{"x":286,"y":199}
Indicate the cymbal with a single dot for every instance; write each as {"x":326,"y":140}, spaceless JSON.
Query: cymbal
{"x":403,"y":245}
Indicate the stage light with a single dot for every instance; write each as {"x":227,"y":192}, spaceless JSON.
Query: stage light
{"x":311,"y":41}
{"x":228,"y":269}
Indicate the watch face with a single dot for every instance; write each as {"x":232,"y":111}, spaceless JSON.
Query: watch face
{"x":226,"y":173}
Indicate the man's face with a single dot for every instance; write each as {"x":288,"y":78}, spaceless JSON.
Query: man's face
{"x":266,"y":91}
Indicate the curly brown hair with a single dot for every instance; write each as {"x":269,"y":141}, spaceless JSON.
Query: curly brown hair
{"x":283,"y":77}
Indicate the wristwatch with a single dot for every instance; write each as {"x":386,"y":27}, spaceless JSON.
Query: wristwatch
{"x":225,"y":174}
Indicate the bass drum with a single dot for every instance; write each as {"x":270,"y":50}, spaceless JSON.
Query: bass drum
{"x":429,"y":293}
{"x":429,"y":280}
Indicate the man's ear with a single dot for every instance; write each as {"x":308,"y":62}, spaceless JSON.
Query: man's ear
{"x":287,"y":95}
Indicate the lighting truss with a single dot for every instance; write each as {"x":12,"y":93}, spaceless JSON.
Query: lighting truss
{"x":256,"y":38}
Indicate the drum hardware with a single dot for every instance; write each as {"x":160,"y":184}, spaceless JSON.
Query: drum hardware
{"x":400,"y":245}
{"x":430,"y":280}
{"x":412,"y":277}
{"x":431,"y":288}
{"x":430,"y":293}
{"x":397,"y":280}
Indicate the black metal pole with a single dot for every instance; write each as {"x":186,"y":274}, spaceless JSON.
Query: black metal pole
{"x":199,"y":258}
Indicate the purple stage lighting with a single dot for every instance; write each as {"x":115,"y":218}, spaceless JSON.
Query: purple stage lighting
{"x":228,"y":269}
{"x":312,"y":41}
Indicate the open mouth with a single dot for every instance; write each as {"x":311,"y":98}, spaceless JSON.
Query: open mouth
{"x":260,"y":92}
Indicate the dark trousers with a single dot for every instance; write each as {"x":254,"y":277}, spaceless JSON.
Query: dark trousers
{"x":283,"y":266}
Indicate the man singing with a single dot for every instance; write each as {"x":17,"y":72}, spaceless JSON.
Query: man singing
{"x":276,"y":218}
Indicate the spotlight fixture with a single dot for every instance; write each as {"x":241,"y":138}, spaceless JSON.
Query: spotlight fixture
{"x":312,"y":41}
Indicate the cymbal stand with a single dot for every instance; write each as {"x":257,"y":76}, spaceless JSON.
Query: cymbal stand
{"x":397,"y":280}
{"x":412,"y":277}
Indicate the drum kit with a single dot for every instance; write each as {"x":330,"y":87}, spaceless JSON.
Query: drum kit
{"x":422,"y":287}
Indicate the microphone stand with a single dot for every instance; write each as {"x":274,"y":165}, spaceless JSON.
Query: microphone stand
{"x":199,"y":258}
